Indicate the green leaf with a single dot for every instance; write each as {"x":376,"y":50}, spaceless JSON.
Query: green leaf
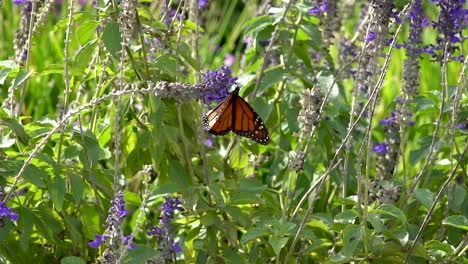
{"x":87,"y":31}
{"x":440,"y":246}
{"x":245,"y":198}
{"x":25,"y":221}
{"x":388,"y":209}
{"x":4,"y":72}
{"x":399,"y":234}
{"x":21,"y":77}
{"x":352,"y":235}
{"x":252,"y":186}
{"x":84,"y":55}
{"x":254,"y":233}
{"x":277,"y":243}
{"x":17,"y":128}
{"x":424,"y":196}
{"x":457,"y":221}
{"x":77,"y":187}
{"x":273,"y":75}
{"x":74,"y":227}
{"x":167,"y":64}
{"x":313,"y":33}
{"x":346,"y":216}
{"x":256,"y":24}
{"x":112,"y":38}
{"x":140,"y":254}
{"x":458,"y":197}
{"x":72,"y":260}
{"x":58,"y":192}
{"x":36,"y":176}
{"x":376,"y":222}
{"x":92,"y":152}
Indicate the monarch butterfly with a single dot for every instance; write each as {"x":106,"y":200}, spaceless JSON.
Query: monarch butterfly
{"x":235,"y":114}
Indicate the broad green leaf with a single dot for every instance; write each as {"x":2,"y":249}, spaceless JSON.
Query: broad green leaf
{"x":216,"y":193}
{"x":252,"y":186}
{"x":245,"y":198}
{"x":273,"y":75}
{"x":57,"y":191}
{"x":424,"y":196}
{"x":388,"y":209}
{"x":346,"y":216}
{"x":36,"y":176}
{"x":399,"y":234}
{"x":21,"y":77}
{"x":112,"y":38}
{"x":25,"y":221}
{"x":376,"y":222}
{"x":17,"y":128}
{"x":352,"y":235}
{"x":458,"y":197}
{"x":457,"y":221}
{"x":440,"y":246}
{"x":254,"y":233}
{"x":4,"y":72}
{"x":166,"y":64}
{"x":84,"y":55}
{"x":140,"y":254}
{"x":74,"y":227}
{"x":256,"y":24}
{"x":87,"y":31}
{"x":77,"y":187}
{"x":277,"y":243}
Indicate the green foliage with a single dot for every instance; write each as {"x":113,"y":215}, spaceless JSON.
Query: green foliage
{"x":72,"y":136}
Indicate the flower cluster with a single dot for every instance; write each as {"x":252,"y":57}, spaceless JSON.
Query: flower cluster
{"x":164,"y":233}
{"x":113,"y":237}
{"x":6,"y":211}
{"x":453,"y":18}
{"x":311,"y":101}
{"x":21,"y":36}
{"x":317,"y":9}
{"x":216,"y":85}
{"x":413,"y":51}
{"x":383,"y":192}
{"x":127,"y":18}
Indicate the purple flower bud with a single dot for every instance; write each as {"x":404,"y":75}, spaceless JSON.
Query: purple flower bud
{"x":229,"y":60}
{"x":380,"y":148}
{"x":264,"y":42}
{"x":97,"y":242}
{"x":176,"y":247}
{"x":371,"y":36}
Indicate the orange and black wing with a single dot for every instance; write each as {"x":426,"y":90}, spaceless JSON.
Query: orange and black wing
{"x":218,"y":121}
{"x":246,"y":122}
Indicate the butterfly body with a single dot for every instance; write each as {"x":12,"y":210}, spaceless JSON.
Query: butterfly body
{"x":236,"y":115}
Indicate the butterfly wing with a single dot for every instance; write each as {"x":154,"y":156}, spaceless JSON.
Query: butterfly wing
{"x":247,"y":122}
{"x":218,"y":121}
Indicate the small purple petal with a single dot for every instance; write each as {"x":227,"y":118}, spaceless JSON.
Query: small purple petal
{"x":371,"y":36}
{"x":229,"y":60}
{"x":380,"y":148}
{"x":97,"y":242}
{"x":176,"y":247}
